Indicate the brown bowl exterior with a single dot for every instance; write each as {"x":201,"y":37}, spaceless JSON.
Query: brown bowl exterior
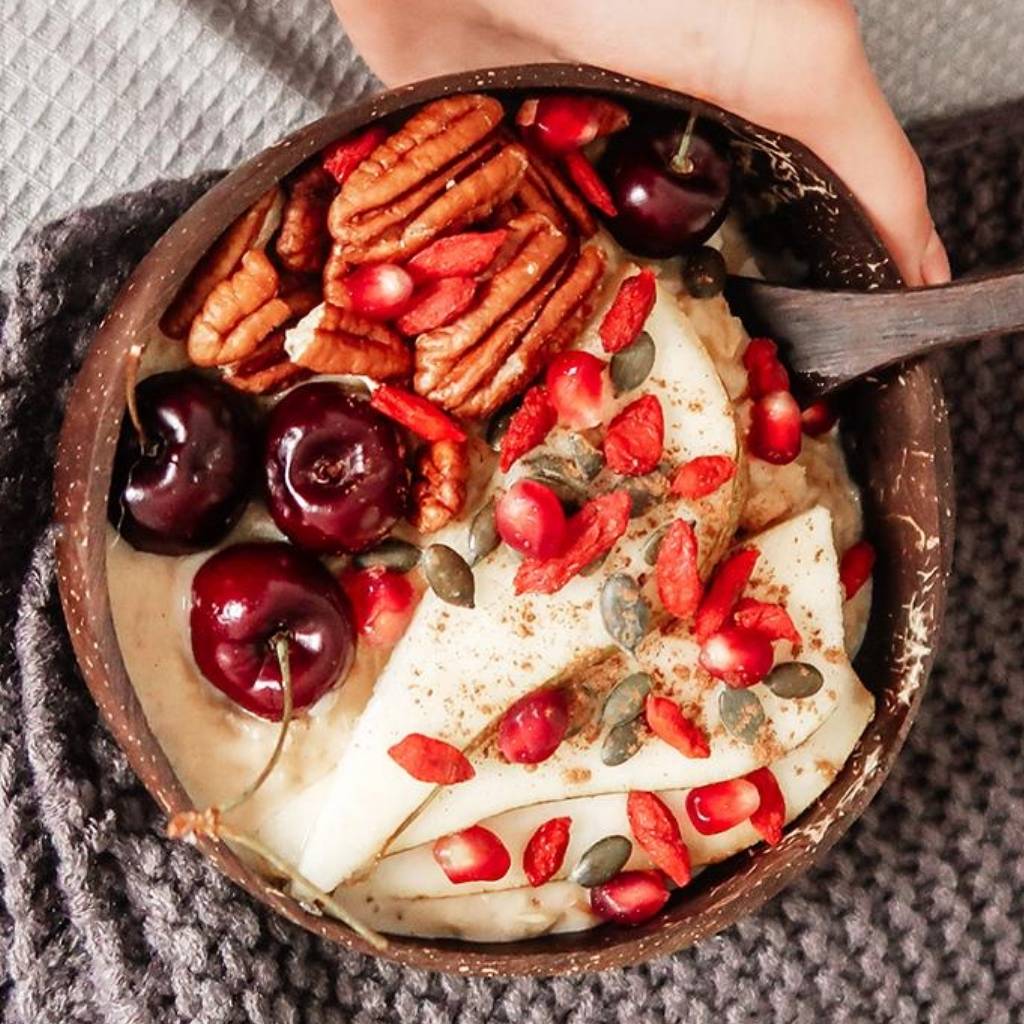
{"x":900,"y":446}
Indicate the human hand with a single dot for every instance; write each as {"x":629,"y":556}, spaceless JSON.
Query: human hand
{"x":795,"y":66}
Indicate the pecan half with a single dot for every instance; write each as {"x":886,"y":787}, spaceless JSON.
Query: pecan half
{"x":267,"y":370}
{"x":444,"y":356}
{"x":303,"y":240}
{"x":439,"y":485}
{"x":219,"y":262}
{"x":335,"y":340}
{"x":543,"y":188}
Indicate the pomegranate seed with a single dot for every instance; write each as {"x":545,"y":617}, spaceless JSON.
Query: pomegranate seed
{"x":380,"y":291}
{"x":655,"y":828}
{"x":703,"y":476}
{"x":382,"y":604}
{"x":818,"y":418}
{"x":721,"y":805}
{"x":530,"y":731}
{"x":856,"y":566}
{"x":772,"y":621}
{"x":636,"y":438}
{"x":631,"y":897}
{"x":666,"y":720}
{"x":775,"y":428}
{"x":759,"y":351}
{"x":739,"y":657}
{"x":473,"y":855}
{"x":770,"y":815}
{"x":579,"y":389}
{"x":430,"y":760}
{"x":561,"y":122}
{"x":530,"y":519}
{"x":731,"y":576}
{"x":545,"y":852}
{"x":766,"y":377}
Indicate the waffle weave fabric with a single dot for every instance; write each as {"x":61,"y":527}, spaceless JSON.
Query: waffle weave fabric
{"x":915,"y":916}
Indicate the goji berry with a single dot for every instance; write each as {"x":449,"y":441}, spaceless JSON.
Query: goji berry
{"x":437,"y":304}
{"x":655,"y":828}
{"x":589,"y":182}
{"x":545,"y":852}
{"x":431,"y":760}
{"x":635,"y":438}
{"x":464,"y":255}
{"x":772,"y":621}
{"x":725,"y":590}
{"x":417,"y":413}
{"x":666,"y":720}
{"x":676,"y":570}
{"x":529,"y":425}
{"x":629,"y":311}
{"x":702,"y":476}
{"x":342,"y":157}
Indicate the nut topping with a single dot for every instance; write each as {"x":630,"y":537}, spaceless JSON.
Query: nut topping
{"x":303,"y":241}
{"x":439,"y":485}
{"x":267,"y":370}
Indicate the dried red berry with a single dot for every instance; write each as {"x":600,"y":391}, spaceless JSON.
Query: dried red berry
{"x":473,"y":855}
{"x":464,"y":255}
{"x":382,"y":604}
{"x":530,"y":519}
{"x":775,"y":428}
{"x":561,"y":122}
{"x":739,"y":657}
{"x":530,"y":424}
{"x":531,"y":730}
{"x":721,"y":805}
{"x":630,"y":898}
{"x":431,"y":760}
{"x":726,"y":587}
{"x":579,"y":389}
{"x":676,"y":570}
{"x":380,"y":291}
{"x":629,"y":311}
{"x":772,"y":621}
{"x":417,"y":413}
{"x":341,"y":158}
{"x":655,"y":828}
{"x":545,"y":852}
{"x":666,"y":720}
{"x":703,"y":476}
{"x":635,"y":438}
{"x":818,"y":418}
{"x":437,"y":304}
{"x":592,"y":533}
{"x":770,"y":816}
{"x":587,"y":180}
{"x":856,"y":566}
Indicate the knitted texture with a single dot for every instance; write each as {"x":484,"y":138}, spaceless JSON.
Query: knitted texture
{"x":915,"y":916}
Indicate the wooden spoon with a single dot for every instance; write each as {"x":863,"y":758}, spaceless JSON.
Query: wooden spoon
{"x":833,"y":338}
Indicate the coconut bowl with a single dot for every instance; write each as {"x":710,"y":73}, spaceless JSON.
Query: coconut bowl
{"x":896,"y":431}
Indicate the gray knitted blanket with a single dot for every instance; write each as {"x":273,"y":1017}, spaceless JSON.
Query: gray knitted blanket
{"x":916,"y":916}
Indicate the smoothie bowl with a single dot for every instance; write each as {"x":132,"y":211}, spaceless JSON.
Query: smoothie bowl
{"x":462,"y":578}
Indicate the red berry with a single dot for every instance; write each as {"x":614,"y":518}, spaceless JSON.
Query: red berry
{"x":631,"y":897}
{"x":703,"y":476}
{"x":629,"y":311}
{"x":417,"y":413}
{"x":380,"y":291}
{"x":430,"y":760}
{"x":562,"y":122}
{"x":636,"y":438}
{"x":473,"y":855}
{"x":530,"y":519}
{"x":342,"y":157}
{"x":731,"y":576}
{"x":676,"y":570}
{"x":530,"y":424}
{"x":775,"y":428}
{"x":530,"y":731}
{"x":463,"y":255}
{"x":437,"y":304}
{"x":818,"y":418}
{"x":579,"y":389}
{"x":770,"y":815}
{"x":759,"y":351}
{"x":772,"y":621}
{"x":382,"y":604}
{"x":655,"y":828}
{"x":856,"y":566}
{"x":666,"y":720}
{"x":589,"y":182}
{"x":545,"y":852}
{"x":740,"y":657}
{"x":766,"y":377}
{"x":721,"y":805}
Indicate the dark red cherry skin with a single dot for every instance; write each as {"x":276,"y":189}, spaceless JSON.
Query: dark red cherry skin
{"x":243,"y":598}
{"x":336,"y":477}
{"x":188,"y":487}
{"x":662,"y":212}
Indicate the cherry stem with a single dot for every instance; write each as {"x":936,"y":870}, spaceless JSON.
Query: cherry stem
{"x":681,"y":162}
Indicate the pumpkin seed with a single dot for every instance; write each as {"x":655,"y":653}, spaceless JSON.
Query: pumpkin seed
{"x":653,"y":545}
{"x":392,"y":553}
{"x":644,"y":492}
{"x":591,"y":567}
{"x":497,"y":427}
{"x":626,"y":700}
{"x":587,"y":459}
{"x":604,"y":860}
{"x":622,"y":742}
{"x":704,"y":272}
{"x":742,"y":713}
{"x":449,"y":575}
{"x":483,"y":534}
{"x":794,"y":679}
{"x":625,"y":613}
{"x":560,"y":475}
{"x":632,"y":366}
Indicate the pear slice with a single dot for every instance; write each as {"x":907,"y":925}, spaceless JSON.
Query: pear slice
{"x":797,"y":562}
{"x":456,"y":669}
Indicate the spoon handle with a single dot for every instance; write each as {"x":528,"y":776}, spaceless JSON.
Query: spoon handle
{"x":836,"y":337}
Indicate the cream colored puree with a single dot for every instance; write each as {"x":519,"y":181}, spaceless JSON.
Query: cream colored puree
{"x":216,"y":748}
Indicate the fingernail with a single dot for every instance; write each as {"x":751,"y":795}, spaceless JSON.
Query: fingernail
{"x":935,"y":263}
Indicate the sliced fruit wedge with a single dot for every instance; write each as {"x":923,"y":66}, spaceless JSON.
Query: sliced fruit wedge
{"x":456,"y":669}
{"x":796,"y":564}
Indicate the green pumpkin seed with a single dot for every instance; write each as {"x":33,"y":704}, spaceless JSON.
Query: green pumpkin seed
{"x":604,"y":860}
{"x":449,"y":575}
{"x":644,"y":492}
{"x":497,"y":427}
{"x":653,"y":545}
{"x":704,"y":272}
{"x":392,"y":553}
{"x":622,"y":742}
{"x":625,"y":613}
{"x":561,"y":475}
{"x":794,"y":679}
{"x":587,"y":459}
{"x":632,"y":366}
{"x":742,"y":714}
{"x":483,"y":534}
{"x":626,"y":700}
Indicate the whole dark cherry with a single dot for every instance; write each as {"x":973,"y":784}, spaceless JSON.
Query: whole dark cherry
{"x":246,"y":596}
{"x":187,"y":485}
{"x":335,"y":472}
{"x":665,"y":206}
